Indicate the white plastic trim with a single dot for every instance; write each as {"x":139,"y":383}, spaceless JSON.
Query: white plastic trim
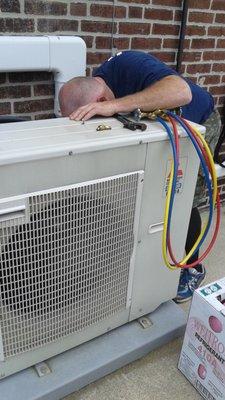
{"x":65,"y":56}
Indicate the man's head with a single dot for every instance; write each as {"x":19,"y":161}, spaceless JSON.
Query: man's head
{"x":80,"y":91}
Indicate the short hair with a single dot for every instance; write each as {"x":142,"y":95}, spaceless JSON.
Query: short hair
{"x":78,"y":92}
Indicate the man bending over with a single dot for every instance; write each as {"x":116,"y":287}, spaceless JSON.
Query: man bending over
{"x":131,"y":80}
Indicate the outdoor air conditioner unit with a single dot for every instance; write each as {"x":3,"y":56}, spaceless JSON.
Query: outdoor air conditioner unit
{"x":81,"y":219}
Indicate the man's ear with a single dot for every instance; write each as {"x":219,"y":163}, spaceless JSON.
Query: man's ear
{"x":102,"y":98}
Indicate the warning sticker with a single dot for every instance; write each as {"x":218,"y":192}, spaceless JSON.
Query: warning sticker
{"x":180,"y":176}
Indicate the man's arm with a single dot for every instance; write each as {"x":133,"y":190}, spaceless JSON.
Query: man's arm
{"x":170,"y":92}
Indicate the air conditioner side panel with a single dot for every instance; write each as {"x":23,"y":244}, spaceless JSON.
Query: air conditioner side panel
{"x":153,"y":282}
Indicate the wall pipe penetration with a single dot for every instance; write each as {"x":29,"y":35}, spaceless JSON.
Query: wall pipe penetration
{"x":64,"y":56}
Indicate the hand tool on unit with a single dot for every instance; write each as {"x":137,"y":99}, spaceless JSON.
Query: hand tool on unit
{"x":129,"y":124}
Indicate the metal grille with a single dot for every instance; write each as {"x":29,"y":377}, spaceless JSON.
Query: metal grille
{"x":68,"y":267}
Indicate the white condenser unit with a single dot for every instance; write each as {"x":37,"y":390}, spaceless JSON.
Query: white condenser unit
{"x":81,"y":219}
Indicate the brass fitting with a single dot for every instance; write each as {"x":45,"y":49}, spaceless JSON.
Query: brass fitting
{"x":152,"y":115}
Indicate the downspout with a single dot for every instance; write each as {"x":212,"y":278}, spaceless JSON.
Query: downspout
{"x":219,"y":169}
{"x":182,"y":35}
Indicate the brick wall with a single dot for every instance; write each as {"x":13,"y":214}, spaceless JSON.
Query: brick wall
{"x":108,"y":26}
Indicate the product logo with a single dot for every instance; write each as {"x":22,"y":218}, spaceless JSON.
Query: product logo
{"x":180,"y":176}
{"x":210,"y":289}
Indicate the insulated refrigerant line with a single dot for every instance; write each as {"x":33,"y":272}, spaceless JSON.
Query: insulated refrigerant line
{"x":208,"y":167}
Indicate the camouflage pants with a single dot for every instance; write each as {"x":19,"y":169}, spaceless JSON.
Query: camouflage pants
{"x":213,"y":128}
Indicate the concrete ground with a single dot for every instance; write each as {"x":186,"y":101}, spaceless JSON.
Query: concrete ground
{"x":156,"y":377}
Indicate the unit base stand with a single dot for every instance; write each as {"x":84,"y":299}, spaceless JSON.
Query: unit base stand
{"x":90,"y":361}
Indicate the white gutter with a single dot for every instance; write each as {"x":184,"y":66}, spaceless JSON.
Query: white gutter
{"x":65,"y":56}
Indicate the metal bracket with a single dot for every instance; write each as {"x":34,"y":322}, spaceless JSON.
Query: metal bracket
{"x":145,"y":322}
{"x":42,"y":369}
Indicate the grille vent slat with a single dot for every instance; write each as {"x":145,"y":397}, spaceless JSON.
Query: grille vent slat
{"x":68,"y":267}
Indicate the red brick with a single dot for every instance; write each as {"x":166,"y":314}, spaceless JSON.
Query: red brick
{"x":192,"y":56}
{"x":88,"y":40}
{"x":194,"y":30}
{"x":163,"y":29}
{"x":167,"y":57}
{"x":222,"y":100}
{"x":223,"y":78}
{"x":182,"y":69}
{"x":146,"y":43}
{"x":199,"y":68}
{"x":12,"y":6}
{"x":218,"y":5}
{"x":135,"y":12}
{"x":152,"y":13}
{"x":16,"y":25}
{"x":103,"y":42}
{"x":22,"y":107}
{"x":199,"y":4}
{"x":78,"y":9}
{"x":10,"y":92}
{"x":129,"y":28}
{"x":18,"y":77}
{"x":96,"y":26}
{"x":121,"y":43}
{"x":101,"y":10}
{"x":57,"y":25}
{"x":216,"y":31}
{"x":201,"y":17}
{"x":220,"y":18}
{"x":2,"y":78}
{"x":212,"y":79}
{"x":45,"y":7}
{"x":222,"y":197}
{"x":44,"y":89}
{"x":172,"y":3}
{"x":136,"y":1}
{"x":97,"y":58}
{"x":222,"y":181}
{"x":88,"y":71}
{"x":214,"y":55}
{"x":178,"y":15}
{"x":171,"y":43}
{"x":218,"y":67}
{"x":220,"y":106}
{"x":221,"y":43}
{"x":44,"y":116}
{"x":203,"y":43}
{"x":5,"y":108}
{"x":120,"y":12}
{"x":215,"y":90}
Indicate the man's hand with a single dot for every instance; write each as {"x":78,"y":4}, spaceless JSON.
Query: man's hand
{"x":105,"y":108}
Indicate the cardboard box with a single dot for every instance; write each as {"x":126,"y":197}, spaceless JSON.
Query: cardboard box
{"x":202,"y":358}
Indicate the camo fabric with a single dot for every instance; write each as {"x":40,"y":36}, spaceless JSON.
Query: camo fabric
{"x":213,"y":127}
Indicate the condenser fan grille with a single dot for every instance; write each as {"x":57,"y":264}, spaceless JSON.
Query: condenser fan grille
{"x":68,"y":267}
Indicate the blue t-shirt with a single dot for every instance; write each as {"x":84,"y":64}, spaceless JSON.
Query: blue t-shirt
{"x":132,"y":71}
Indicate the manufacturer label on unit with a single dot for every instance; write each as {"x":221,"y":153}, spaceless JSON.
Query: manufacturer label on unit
{"x":180,"y":176}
